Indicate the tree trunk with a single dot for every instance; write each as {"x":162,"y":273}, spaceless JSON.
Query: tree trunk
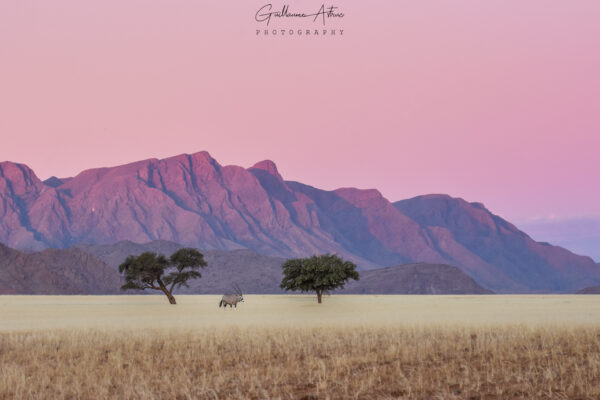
{"x":166,"y":292}
{"x":319,"y":295}
{"x":170,"y":297}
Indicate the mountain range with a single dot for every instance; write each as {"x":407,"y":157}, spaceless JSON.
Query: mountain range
{"x":194,"y":201}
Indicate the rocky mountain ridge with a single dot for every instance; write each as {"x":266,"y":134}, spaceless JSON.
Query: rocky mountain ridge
{"x":195,"y":201}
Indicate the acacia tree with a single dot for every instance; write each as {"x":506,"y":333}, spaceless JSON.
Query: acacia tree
{"x":155,"y":271}
{"x":317,"y":274}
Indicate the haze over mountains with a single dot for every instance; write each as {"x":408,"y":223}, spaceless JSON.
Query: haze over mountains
{"x":192,"y":200}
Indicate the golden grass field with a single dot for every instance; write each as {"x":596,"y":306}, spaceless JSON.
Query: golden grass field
{"x":289,"y":347}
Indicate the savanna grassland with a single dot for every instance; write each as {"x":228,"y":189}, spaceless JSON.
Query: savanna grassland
{"x":288,"y":347}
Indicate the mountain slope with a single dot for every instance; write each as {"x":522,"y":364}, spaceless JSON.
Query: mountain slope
{"x":462,"y":230}
{"x":19,"y":191}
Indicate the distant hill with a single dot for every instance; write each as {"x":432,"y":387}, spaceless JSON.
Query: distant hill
{"x":55,"y":271}
{"x":590,"y":290}
{"x":253,"y":272}
{"x":92,"y":269}
{"x":193,"y":200}
{"x":417,"y":278}
{"x":114,"y":254}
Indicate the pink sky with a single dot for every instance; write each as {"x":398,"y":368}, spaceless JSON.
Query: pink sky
{"x":494,"y":101}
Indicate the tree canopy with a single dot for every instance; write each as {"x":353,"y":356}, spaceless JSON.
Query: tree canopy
{"x":155,"y":271}
{"x":319,"y":273}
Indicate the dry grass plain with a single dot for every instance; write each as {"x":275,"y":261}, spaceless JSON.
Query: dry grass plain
{"x":288,"y":347}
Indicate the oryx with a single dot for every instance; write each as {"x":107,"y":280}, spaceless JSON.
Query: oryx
{"x":232,"y":299}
